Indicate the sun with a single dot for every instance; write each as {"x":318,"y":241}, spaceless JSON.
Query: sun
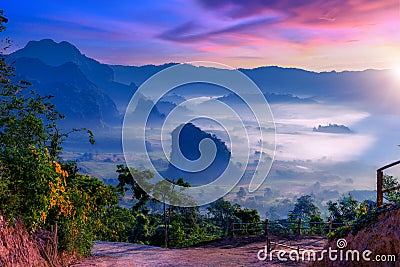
{"x":396,"y":71}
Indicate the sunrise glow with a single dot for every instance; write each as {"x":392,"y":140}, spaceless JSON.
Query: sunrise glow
{"x":315,"y":35}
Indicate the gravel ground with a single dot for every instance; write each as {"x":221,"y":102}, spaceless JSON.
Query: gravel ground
{"x":226,"y":252}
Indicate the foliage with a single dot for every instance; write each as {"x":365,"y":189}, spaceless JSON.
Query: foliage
{"x":179,"y":226}
{"x":316,"y":225}
{"x":27,"y":176}
{"x":390,"y":182}
{"x":88,"y":198}
{"x":167,"y":192}
{"x":35,"y":185}
{"x":128,"y":177}
{"x":340,"y":232}
{"x":304,"y":208}
{"x":241,"y":193}
{"x":251,"y":220}
{"x":366,"y":214}
{"x":278,"y":227}
{"x":114,"y":224}
{"x":344,"y":210}
{"x":140,"y":232}
{"x":222,"y":214}
{"x":178,"y":236}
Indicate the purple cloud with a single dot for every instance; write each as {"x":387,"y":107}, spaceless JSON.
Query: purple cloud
{"x":192,"y":32}
{"x":306,"y":11}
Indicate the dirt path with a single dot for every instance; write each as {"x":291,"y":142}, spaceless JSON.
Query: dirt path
{"x":227,"y":252}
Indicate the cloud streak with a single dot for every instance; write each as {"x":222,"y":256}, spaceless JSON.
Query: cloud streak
{"x":191,"y":32}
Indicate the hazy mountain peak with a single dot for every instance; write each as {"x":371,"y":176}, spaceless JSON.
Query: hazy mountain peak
{"x":56,"y":54}
{"x":50,"y":52}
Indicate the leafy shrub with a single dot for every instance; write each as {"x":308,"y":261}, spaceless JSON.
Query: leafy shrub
{"x":86,"y":198}
{"x":340,"y":232}
{"x":114,"y":224}
{"x":34,"y":186}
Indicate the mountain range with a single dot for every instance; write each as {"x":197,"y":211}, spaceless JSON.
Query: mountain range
{"x":95,"y":95}
{"x":360,"y":109}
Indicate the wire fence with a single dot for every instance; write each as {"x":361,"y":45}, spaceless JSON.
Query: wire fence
{"x":288,"y":234}
{"x":283,"y":227}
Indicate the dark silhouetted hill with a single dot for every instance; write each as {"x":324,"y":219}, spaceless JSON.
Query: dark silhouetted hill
{"x":333,"y":128}
{"x":188,"y":142}
{"x":74,"y":95}
{"x":56,"y":54}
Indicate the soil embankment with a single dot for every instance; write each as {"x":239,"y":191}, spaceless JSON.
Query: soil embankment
{"x":18,"y":247}
{"x":382,"y":239}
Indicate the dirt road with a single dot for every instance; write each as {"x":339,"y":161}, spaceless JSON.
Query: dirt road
{"x":227,"y":252}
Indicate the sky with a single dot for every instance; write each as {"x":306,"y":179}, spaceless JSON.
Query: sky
{"x":315,"y":35}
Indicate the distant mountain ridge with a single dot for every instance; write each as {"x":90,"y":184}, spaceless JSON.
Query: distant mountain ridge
{"x":55,"y":54}
{"x":120,"y":82}
{"x":75,"y":95}
{"x":332,"y":128}
{"x":95,"y":95}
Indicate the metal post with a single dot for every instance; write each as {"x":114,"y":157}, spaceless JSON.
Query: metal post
{"x":379,"y":185}
{"x":330,"y":224}
{"x":299,"y":226}
{"x":55,"y":239}
{"x":267,"y":235}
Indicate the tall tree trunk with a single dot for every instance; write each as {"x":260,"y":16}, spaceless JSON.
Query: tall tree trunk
{"x":165,"y":226}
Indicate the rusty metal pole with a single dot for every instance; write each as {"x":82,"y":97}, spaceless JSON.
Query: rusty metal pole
{"x":299,"y":226}
{"x":379,"y":185}
{"x":330,"y":224}
{"x":56,"y":240}
{"x":267,"y":235}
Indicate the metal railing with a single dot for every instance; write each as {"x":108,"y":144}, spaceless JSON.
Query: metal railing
{"x":379,"y":183}
{"x":277,"y":227}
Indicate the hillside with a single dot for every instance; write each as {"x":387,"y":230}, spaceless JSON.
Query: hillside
{"x":381,"y":238}
{"x":18,"y":247}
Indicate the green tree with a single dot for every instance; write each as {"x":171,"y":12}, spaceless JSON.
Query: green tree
{"x":165,"y":191}
{"x":77,"y":202}
{"x":26,"y":126}
{"x":241,"y":193}
{"x":34,"y":186}
{"x":316,"y":224}
{"x":304,"y":208}
{"x":128,"y":178}
{"x":344,"y":210}
{"x":222,"y":214}
{"x":391,"y":182}
{"x":140,"y":232}
{"x":114,"y":224}
{"x":250,"y":219}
